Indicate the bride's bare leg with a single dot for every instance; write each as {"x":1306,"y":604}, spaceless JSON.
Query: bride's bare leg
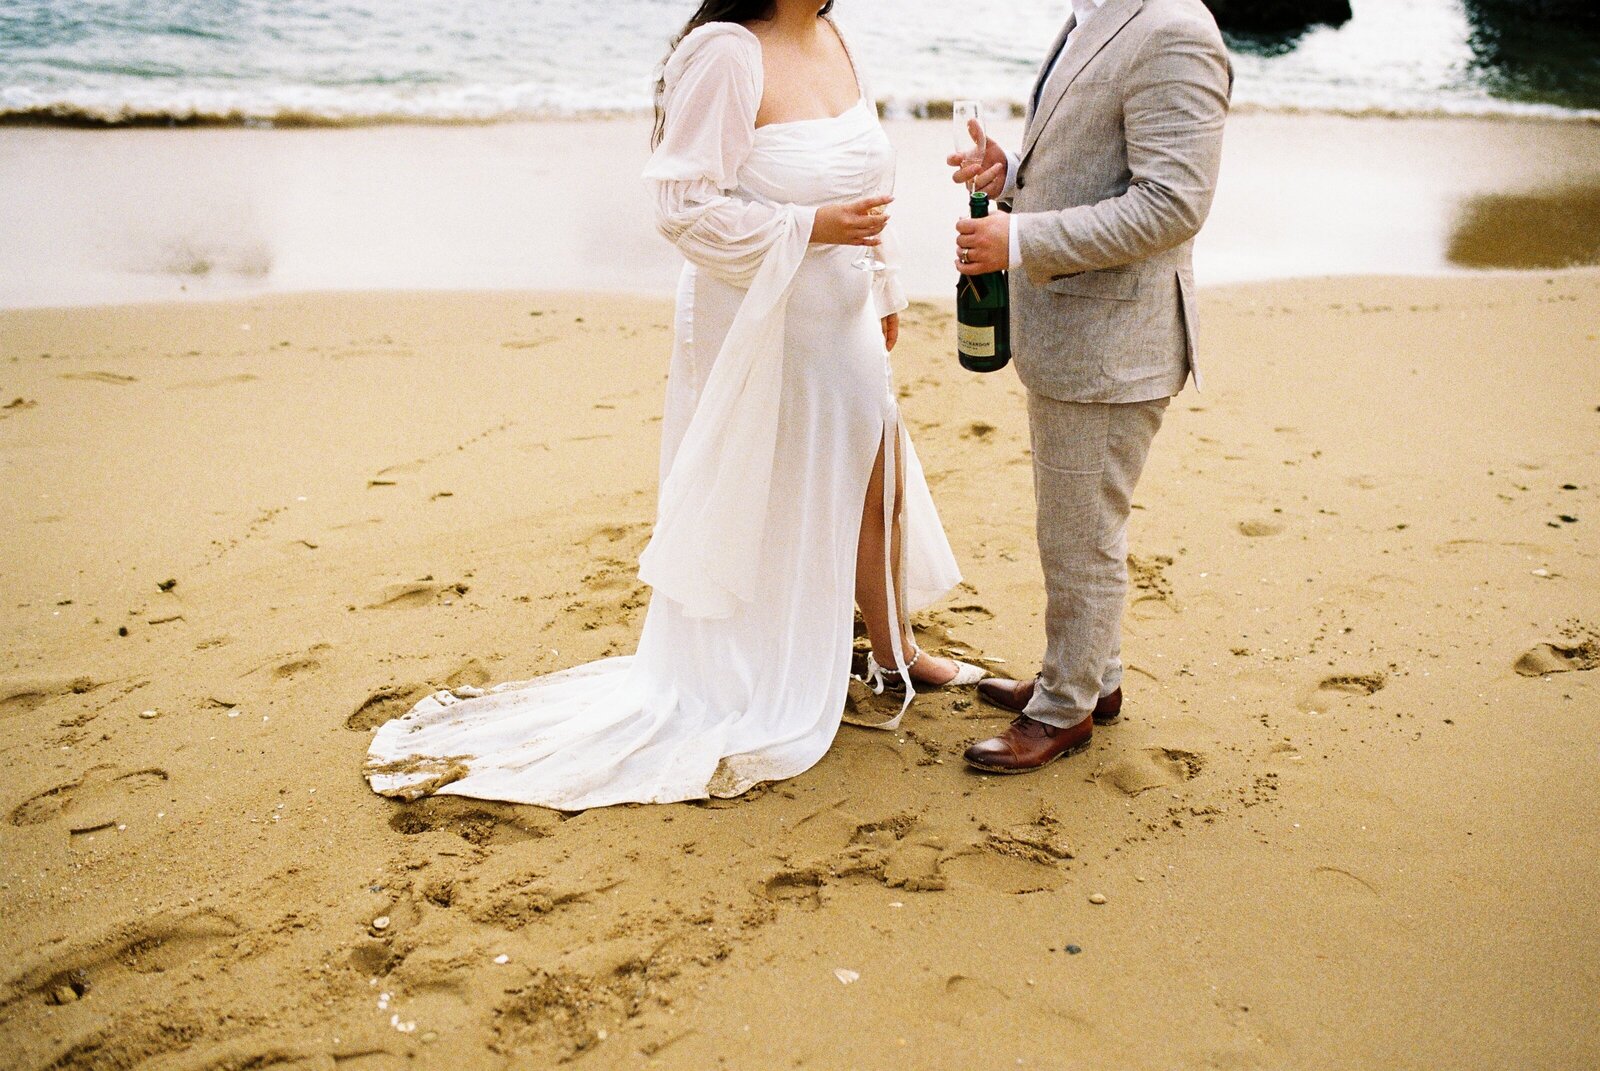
{"x":871,"y":589}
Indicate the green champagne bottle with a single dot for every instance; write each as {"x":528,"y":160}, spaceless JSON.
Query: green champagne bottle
{"x":983,"y":313}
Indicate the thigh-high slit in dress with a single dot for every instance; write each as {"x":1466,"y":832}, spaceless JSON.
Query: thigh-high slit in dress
{"x":779,"y":404}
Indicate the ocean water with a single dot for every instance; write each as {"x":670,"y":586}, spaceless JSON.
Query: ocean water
{"x":347,"y":61}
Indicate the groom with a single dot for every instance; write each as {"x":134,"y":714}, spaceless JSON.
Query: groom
{"x":1115,"y":176}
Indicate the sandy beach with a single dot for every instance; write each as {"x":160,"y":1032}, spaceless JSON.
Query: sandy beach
{"x":1348,"y":821}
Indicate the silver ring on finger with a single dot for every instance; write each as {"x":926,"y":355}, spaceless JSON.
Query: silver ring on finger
{"x":963,"y":256}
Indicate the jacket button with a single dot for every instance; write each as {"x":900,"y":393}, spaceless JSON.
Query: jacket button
{"x":1021,"y":182}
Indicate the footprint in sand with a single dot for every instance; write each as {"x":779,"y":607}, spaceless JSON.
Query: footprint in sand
{"x":963,"y":999}
{"x":470,"y":673}
{"x":439,"y":969}
{"x":472,"y":820}
{"x":988,"y":866}
{"x":610,"y":594}
{"x":631,"y":537}
{"x":1043,"y":841}
{"x":152,"y":946}
{"x":385,"y":705}
{"x":1331,"y":691}
{"x":1283,"y":752}
{"x":95,"y":801}
{"x":1023,"y":857}
{"x":801,"y":887}
{"x":1152,"y":767}
{"x":299,"y":664}
{"x":1559,"y":658}
{"x":1257,"y":529}
{"x":374,"y":957}
{"x":417,"y":593}
{"x":517,"y":903}
{"x":895,"y":852}
{"x":392,"y":701}
{"x":559,"y":1013}
{"x":22,"y":696}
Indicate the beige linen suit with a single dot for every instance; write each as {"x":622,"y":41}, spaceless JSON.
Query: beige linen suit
{"x":1115,"y":176}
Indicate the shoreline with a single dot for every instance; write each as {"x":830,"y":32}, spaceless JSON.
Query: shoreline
{"x":1364,"y":281}
{"x":1355,"y":767}
{"x":69,"y":118}
{"x":146,"y":214}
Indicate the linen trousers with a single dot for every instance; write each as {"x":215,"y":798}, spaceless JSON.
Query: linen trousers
{"x":1087,"y":457}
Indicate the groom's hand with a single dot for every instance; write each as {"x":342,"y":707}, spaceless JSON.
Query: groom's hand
{"x":988,"y":176}
{"x":983,"y":245}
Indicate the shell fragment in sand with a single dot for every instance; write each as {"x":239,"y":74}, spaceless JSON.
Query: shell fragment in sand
{"x":846,"y":976}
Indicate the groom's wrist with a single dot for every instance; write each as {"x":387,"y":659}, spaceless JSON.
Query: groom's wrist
{"x":1013,"y":165}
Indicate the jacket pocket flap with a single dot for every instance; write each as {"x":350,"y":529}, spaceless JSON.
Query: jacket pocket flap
{"x":1107,"y":283}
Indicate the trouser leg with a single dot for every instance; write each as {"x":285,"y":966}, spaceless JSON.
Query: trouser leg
{"x":1087,"y":457}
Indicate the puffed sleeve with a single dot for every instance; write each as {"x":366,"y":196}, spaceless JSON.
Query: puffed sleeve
{"x":713,"y":91}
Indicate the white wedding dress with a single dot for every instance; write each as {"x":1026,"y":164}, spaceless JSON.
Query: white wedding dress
{"x":779,"y":399}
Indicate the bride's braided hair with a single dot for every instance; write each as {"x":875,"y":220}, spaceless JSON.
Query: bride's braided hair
{"x":712,"y":11}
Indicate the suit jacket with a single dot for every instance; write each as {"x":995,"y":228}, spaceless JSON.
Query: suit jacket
{"x":1117,"y":169}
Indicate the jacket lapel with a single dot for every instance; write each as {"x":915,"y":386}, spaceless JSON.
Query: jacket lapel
{"x":1086,"y":44}
{"x":1038,"y":83}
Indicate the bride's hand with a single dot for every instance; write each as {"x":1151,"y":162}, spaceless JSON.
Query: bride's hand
{"x":891,"y":331}
{"x":851,"y":222}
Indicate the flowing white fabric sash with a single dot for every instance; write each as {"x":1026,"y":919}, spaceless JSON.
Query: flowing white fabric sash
{"x":892,"y":435}
{"x":706,"y":548}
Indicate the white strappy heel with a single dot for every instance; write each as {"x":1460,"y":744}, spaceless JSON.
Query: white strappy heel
{"x":882,"y":680}
{"x":898,"y":682}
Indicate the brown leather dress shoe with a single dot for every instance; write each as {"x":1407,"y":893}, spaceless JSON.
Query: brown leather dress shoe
{"x":1028,"y":745}
{"x":1014,"y":696}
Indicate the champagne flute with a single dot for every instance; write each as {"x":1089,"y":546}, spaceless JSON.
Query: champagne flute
{"x":883,"y":187}
{"x":967,"y":116}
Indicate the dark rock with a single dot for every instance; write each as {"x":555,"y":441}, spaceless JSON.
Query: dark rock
{"x":1571,"y":12}
{"x":1538,"y":50}
{"x":1277,"y":16}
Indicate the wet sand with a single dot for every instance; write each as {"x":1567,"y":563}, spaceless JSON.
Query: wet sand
{"x":99,"y":216}
{"x":1348,"y":820}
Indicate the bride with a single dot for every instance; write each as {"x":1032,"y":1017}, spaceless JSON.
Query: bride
{"x":789,"y":488}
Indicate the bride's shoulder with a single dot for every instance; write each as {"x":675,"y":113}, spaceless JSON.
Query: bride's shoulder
{"x":715,"y":42}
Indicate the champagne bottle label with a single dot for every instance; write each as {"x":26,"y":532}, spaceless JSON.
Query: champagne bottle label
{"x":983,"y":328}
{"x":974,"y":341}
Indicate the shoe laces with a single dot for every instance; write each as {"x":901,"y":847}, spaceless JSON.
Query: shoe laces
{"x":1027,"y":726}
